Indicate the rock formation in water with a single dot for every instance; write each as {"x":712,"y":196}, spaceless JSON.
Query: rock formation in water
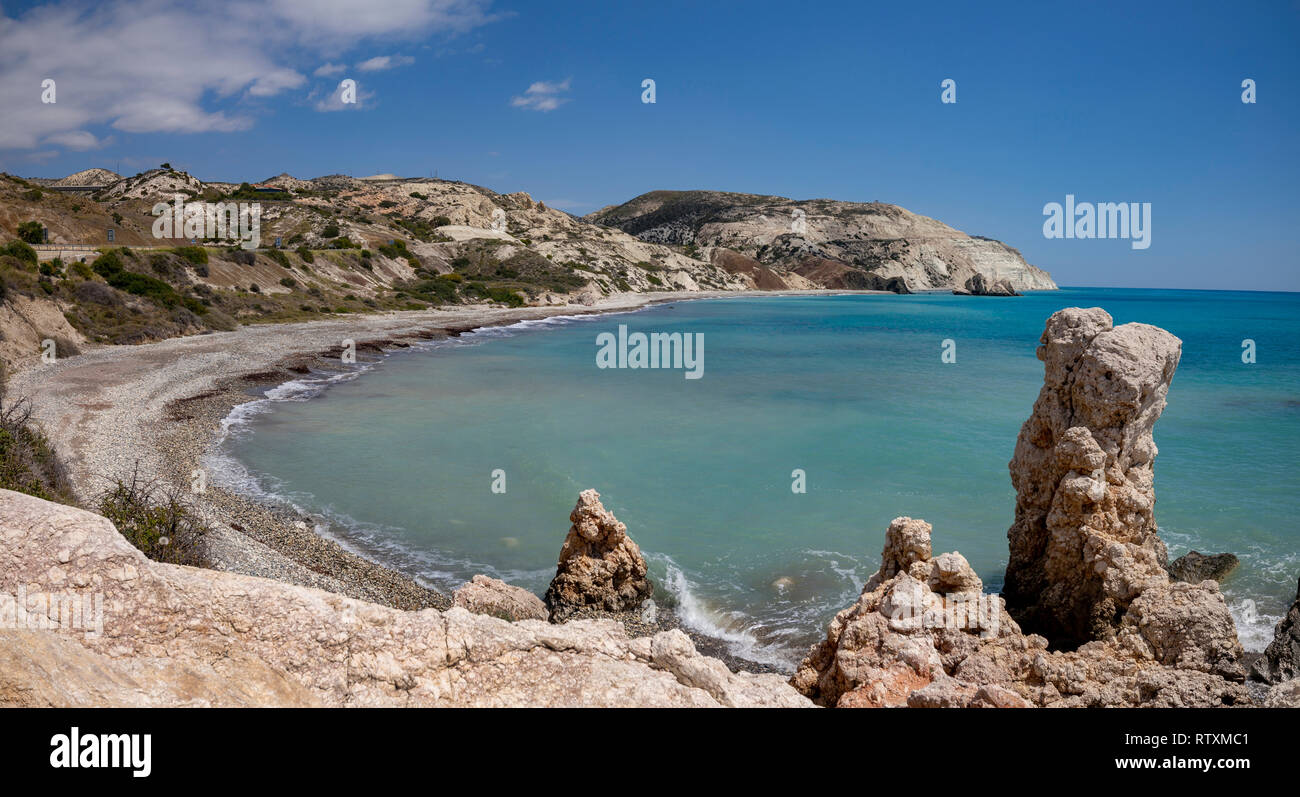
{"x":1085,"y":567}
{"x":1084,"y":542}
{"x":181,"y":636}
{"x":979,"y":285}
{"x":1281,"y":659}
{"x":1195,"y":567}
{"x":915,"y":618}
{"x":600,"y":567}
{"x":492,"y":596}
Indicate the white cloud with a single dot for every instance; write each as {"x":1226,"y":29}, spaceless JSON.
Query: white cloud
{"x":329,"y":70}
{"x":542,"y":96}
{"x":171,"y":66}
{"x":381,"y":62}
{"x":79,"y":140}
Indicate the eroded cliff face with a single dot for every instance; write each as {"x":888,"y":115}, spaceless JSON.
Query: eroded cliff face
{"x":1085,"y":567}
{"x":175,"y":635}
{"x":832,"y":244}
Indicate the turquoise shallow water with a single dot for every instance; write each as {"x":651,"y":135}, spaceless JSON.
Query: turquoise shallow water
{"x":850,"y":389}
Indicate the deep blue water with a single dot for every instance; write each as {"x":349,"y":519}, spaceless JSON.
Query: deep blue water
{"x":849,"y":389}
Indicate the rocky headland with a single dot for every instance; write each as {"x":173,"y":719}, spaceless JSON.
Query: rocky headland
{"x":777,"y":242}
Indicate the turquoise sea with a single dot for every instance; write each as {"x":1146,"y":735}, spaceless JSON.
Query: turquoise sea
{"x":396,"y":459}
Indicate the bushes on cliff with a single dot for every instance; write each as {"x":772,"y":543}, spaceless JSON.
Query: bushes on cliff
{"x":195,"y":254}
{"x":27,"y":462}
{"x":21,"y":251}
{"x":155,"y":518}
{"x":32,"y":232}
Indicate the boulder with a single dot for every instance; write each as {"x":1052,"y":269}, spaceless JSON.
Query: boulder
{"x":491,"y":596}
{"x":1194,"y":567}
{"x":1281,"y":659}
{"x":600,"y":567}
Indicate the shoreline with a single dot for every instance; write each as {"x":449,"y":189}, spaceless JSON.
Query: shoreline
{"x":160,"y":407}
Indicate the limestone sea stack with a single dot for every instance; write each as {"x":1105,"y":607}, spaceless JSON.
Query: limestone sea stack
{"x":1086,"y":567}
{"x":1084,"y":542}
{"x":600,"y":567}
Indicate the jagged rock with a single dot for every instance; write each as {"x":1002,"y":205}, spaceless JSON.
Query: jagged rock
{"x":1281,"y":659}
{"x":1284,"y":695}
{"x":174,"y":635}
{"x":1085,"y":566}
{"x":491,"y":596}
{"x":979,"y":285}
{"x":1194,"y":567}
{"x":600,"y":566}
{"x":922,"y":635}
{"x":1084,"y":542}
{"x":913,"y":617}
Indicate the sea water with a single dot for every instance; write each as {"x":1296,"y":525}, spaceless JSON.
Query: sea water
{"x":466,"y":456}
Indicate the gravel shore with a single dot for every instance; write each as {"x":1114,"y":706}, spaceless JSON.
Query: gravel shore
{"x":158,"y":408}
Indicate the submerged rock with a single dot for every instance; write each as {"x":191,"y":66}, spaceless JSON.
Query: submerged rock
{"x":483,"y":595}
{"x":600,"y":566}
{"x":1194,"y":567}
{"x":1281,"y":659}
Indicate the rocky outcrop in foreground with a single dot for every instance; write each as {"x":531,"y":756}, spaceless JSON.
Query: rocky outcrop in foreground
{"x":1085,"y":567}
{"x":1281,"y":659}
{"x":600,"y":567}
{"x":174,"y":635}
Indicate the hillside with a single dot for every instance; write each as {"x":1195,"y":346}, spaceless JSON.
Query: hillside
{"x":790,"y":243}
{"x":337,"y":244}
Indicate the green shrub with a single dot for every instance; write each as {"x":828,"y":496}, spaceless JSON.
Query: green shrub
{"x":195,"y":254}
{"x":306,"y":255}
{"x":154,"y":518}
{"x":288,"y":282}
{"x":33,"y":195}
{"x":330,"y":231}
{"x":20,"y":250}
{"x":32,"y":232}
{"x":150,"y":288}
{"x":27,"y":461}
{"x":279,"y":257}
{"x":107,"y":264}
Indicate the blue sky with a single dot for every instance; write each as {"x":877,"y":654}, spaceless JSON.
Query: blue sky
{"x":1109,"y":102}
